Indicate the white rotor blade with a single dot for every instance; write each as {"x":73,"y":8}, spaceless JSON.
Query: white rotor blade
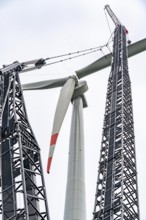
{"x":47,"y":84}
{"x":105,"y":61}
{"x":62,"y":106}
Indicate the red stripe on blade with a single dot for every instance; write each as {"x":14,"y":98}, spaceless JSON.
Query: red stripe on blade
{"x":53,"y":139}
{"x":49,"y":164}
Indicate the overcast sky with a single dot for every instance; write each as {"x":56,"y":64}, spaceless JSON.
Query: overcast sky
{"x":33,"y":29}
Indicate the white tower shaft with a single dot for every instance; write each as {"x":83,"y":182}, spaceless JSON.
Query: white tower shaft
{"x":75,"y":203}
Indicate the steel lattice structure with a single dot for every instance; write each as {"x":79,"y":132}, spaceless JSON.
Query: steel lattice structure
{"x":23,"y":193}
{"x":117,"y":192}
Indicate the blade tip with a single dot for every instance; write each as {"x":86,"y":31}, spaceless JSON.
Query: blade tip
{"x":49,"y":164}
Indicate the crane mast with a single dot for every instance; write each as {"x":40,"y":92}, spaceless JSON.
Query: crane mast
{"x":22,"y":187}
{"x":116,"y":195}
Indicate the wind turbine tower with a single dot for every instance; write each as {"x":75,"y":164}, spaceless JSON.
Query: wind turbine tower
{"x":117,"y":192}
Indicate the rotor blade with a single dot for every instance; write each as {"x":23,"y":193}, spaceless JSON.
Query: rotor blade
{"x":105,"y":61}
{"x":47,"y":84}
{"x":62,"y":106}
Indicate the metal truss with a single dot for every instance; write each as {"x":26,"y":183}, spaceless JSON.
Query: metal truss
{"x":23,"y":194}
{"x":117,"y":192}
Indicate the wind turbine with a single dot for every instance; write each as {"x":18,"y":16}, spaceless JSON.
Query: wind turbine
{"x":72,"y":90}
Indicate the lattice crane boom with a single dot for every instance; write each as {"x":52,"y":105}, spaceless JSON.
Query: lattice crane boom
{"x":112,"y":15}
{"x":116,"y":195}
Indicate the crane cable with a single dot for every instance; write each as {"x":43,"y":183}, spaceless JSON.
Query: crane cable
{"x":37,"y":64}
{"x":72,"y":57}
{"x":109,"y":30}
{"x":70,"y":54}
{"x":77,"y":54}
{"x":107,"y":21}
